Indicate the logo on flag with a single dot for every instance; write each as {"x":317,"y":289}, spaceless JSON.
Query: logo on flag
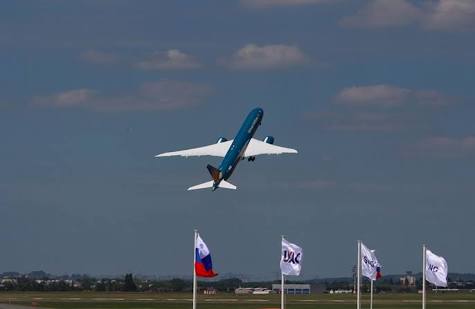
{"x":203,"y":263}
{"x":291,"y":258}
{"x":370,"y":266}
{"x":436,"y":269}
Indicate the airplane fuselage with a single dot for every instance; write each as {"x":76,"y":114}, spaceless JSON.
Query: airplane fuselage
{"x":243,"y":146}
{"x":238,"y":147}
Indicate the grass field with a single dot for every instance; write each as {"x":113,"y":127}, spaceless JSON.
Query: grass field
{"x":93,"y":300}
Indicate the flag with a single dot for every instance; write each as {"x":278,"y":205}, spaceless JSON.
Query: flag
{"x":370,"y":266}
{"x":378,"y":273}
{"x":291,"y":259}
{"x":203,"y":263}
{"x":436,"y":269}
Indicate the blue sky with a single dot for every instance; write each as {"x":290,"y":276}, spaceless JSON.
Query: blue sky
{"x":377,"y":96}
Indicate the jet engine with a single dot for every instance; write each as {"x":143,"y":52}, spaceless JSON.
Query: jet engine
{"x":222,"y":140}
{"x":269,"y":140}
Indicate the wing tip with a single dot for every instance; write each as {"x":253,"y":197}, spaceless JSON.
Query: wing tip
{"x":165,"y":154}
{"x":291,"y":151}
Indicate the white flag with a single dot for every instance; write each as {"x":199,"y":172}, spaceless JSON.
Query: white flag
{"x":291,"y":260}
{"x":370,"y":266}
{"x":436,"y":269}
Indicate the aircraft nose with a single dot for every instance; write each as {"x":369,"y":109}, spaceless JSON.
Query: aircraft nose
{"x":259,"y":111}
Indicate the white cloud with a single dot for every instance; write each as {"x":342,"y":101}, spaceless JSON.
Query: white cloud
{"x":100,"y":57}
{"x":173,"y":59}
{"x":432,"y":97}
{"x":70,"y":98}
{"x":383,"y":95}
{"x":451,"y":15}
{"x":281,"y":3}
{"x":158,"y":95}
{"x":447,"y":146}
{"x":380,"y":108}
{"x":438,"y":15}
{"x":253,"y":57}
{"x":383,"y":13}
{"x":388,"y":95}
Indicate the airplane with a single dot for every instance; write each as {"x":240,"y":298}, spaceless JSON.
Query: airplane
{"x":244,"y":146}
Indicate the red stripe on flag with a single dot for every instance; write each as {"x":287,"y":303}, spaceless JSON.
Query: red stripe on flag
{"x":202,"y":272}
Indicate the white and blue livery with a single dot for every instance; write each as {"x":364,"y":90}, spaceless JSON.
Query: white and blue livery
{"x":243,"y":146}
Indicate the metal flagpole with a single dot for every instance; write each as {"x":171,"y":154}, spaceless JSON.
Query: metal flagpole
{"x":423,"y":276}
{"x":371,"y":301}
{"x":282,"y":287}
{"x":282,"y":292}
{"x":194,"y":270}
{"x":358,"y":278}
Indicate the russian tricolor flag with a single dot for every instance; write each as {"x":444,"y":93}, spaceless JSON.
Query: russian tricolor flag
{"x":203,"y":263}
{"x":378,"y":273}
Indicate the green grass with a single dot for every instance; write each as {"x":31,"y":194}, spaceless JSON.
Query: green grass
{"x":94,"y":300}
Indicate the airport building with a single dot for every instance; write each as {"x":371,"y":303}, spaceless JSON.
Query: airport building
{"x":409,"y":280}
{"x":293,"y":289}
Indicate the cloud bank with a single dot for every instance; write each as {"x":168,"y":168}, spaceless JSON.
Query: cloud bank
{"x":441,"y":15}
{"x":442,"y":146}
{"x":172,"y":59}
{"x":389,"y":95}
{"x":381,"y":108}
{"x":158,"y":95}
{"x":267,"y":57}
{"x":260,"y":4}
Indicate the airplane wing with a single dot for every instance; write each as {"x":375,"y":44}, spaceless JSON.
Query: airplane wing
{"x":257,"y":147}
{"x":217,"y":150}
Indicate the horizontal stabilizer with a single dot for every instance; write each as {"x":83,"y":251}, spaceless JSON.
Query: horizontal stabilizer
{"x":226,"y":185}
{"x":209,"y":184}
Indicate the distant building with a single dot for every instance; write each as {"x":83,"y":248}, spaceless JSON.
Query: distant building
{"x":209,"y":291}
{"x":294,"y":289}
{"x":409,"y":280}
{"x":9,"y":281}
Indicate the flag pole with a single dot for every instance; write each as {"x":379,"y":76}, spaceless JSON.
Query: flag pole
{"x":282,"y":281}
{"x":358,"y":279}
{"x":423,"y":276}
{"x":194,"y":270}
{"x":371,"y":302}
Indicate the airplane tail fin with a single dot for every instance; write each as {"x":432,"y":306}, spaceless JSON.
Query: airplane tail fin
{"x":209,"y":184}
{"x":217,"y":178}
{"x":215,"y":173}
